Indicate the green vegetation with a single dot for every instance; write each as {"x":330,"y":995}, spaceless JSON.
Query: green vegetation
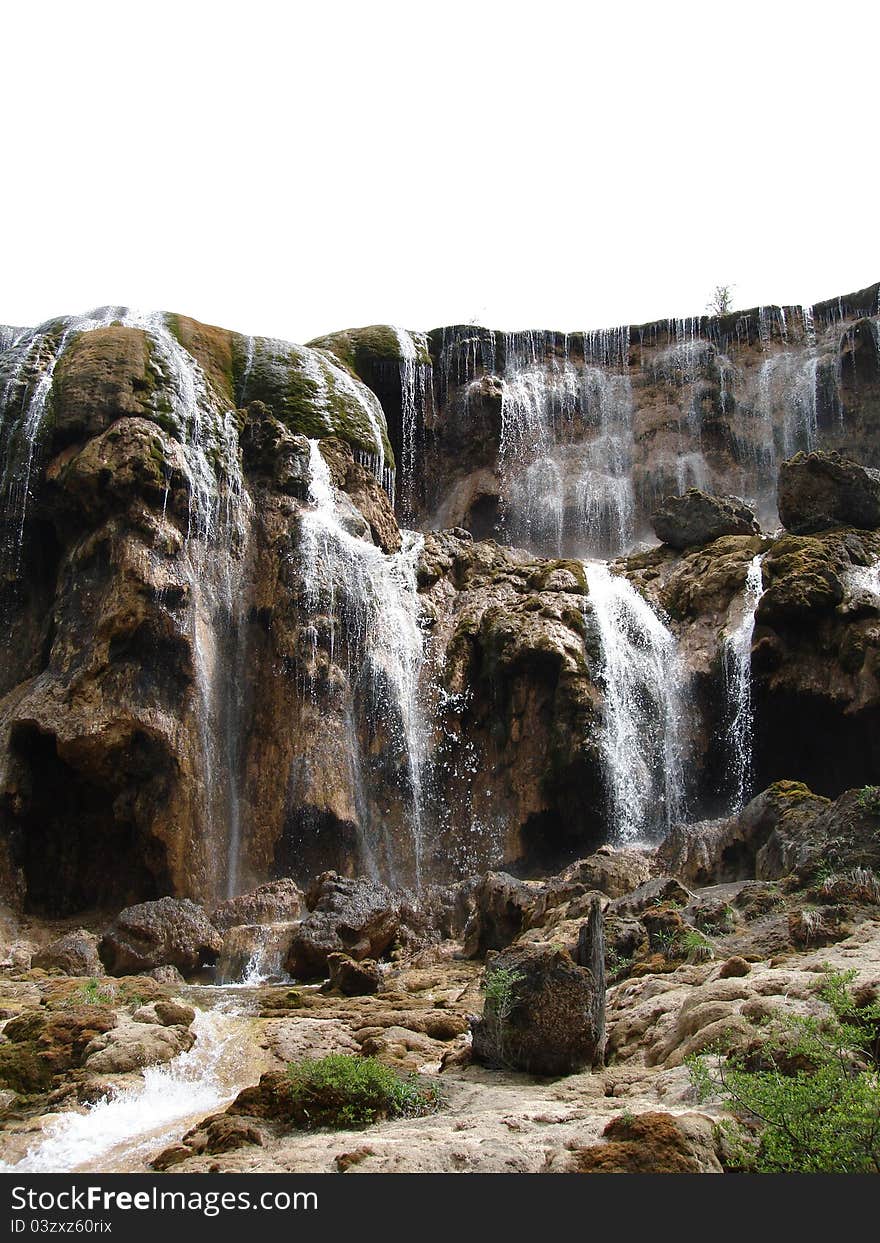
{"x":869,"y":800}
{"x":345,"y":1090}
{"x":92,"y":993}
{"x":807,"y":1099}
{"x":499,"y":989}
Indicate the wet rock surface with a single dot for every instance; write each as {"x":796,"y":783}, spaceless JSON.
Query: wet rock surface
{"x":821,"y":490}
{"x":169,"y":932}
{"x":698,"y":518}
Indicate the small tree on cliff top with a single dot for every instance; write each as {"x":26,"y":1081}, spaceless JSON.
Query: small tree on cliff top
{"x":721,"y":302}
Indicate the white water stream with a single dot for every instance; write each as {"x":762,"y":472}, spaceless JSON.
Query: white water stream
{"x":373,"y":598}
{"x":121,"y":1131}
{"x":643,"y":723}
{"x":738,"y":681}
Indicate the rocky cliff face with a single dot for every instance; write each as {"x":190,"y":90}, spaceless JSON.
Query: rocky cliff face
{"x":226,"y":661}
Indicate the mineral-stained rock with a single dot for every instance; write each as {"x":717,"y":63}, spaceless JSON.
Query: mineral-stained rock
{"x":222,"y":1133}
{"x":840,"y":837}
{"x":75,"y":953}
{"x":658,"y":889}
{"x":610,"y":871}
{"x":270,"y":1098}
{"x":733,"y":968}
{"x":166,"y":1011}
{"x":171,"y":931}
{"x":133,"y":1045}
{"x":651,"y":1143}
{"x":351,"y":978}
{"x":820,"y":490}
{"x":737,"y":848}
{"x":502,"y":908}
{"x":542,"y":1015}
{"x":165,"y":975}
{"x":41,"y":1044}
{"x":275,"y":902}
{"x":697,"y":518}
{"x":355,"y":917}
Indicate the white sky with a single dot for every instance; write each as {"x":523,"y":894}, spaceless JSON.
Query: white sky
{"x":292,"y":168}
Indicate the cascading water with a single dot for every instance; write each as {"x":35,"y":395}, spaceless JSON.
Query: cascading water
{"x":373,"y":599}
{"x":738,"y":682}
{"x":643,"y":725}
{"x":218,"y":517}
{"x":416,"y":390}
{"x":566,"y":448}
{"x":127,"y":1125}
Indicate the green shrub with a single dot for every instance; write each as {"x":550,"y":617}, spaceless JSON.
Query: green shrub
{"x":499,"y":988}
{"x":869,"y":800}
{"x":93,"y":993}
{"x":807,"y":1099}
{"x":345,"y":1090}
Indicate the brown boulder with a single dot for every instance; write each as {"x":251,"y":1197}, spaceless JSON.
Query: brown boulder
{"x":279,"y":901}
{"x":353,"y":979}
{"x":821,"y":490}
{"x":698,"y":518}
{"x":76,"y":953}
{"x":171,"y":931}
{"x":359,"y":918}
{"x":502,"y":910}
{"x":543,"y":1013}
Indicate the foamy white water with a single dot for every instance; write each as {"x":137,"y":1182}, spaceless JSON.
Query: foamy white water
{"x":124,"y":1128}
{"x":643,"y":726}
{"x":738,"y":680}
{"x":374,"y":598}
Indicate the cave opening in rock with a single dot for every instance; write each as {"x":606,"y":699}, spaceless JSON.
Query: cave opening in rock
{"x":314,"y":840}
{"x":73,"y":837}
{"x":548,"y":845}
{"x":805,"y":738}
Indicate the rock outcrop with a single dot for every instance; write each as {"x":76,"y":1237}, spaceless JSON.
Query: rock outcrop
{"x":697,"y":518}
{"x":355,"y":917}
{"x":822,"y":490}
{"x":169,"y":932}
{"x":543,"y":1013}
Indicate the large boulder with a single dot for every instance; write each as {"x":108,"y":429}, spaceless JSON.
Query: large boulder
{"x":610,"y":871}
{"x":355,"y":917}
{"x":820,"y":490}
{"x":503,"y":906}
{"x":279,"y":901}
{"x":839,"y":840}
{"x":171,"y":931}
{"x":132,"y":1046}
{"x":739,"y":847}
{"x":75,"y":953}
{"x":351,"y":978}
{"x":543,"y":1012}
{"x":697,"y":517}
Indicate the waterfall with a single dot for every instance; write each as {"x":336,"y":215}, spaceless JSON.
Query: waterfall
{"x":218,"y":519}
{"x":642,"y":730}
{"x":566,"y":446}
{"x":138,"y":1119}
{"x":416,"y":389}
{"x":738,"y":682}
{"x":372,"y":604}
